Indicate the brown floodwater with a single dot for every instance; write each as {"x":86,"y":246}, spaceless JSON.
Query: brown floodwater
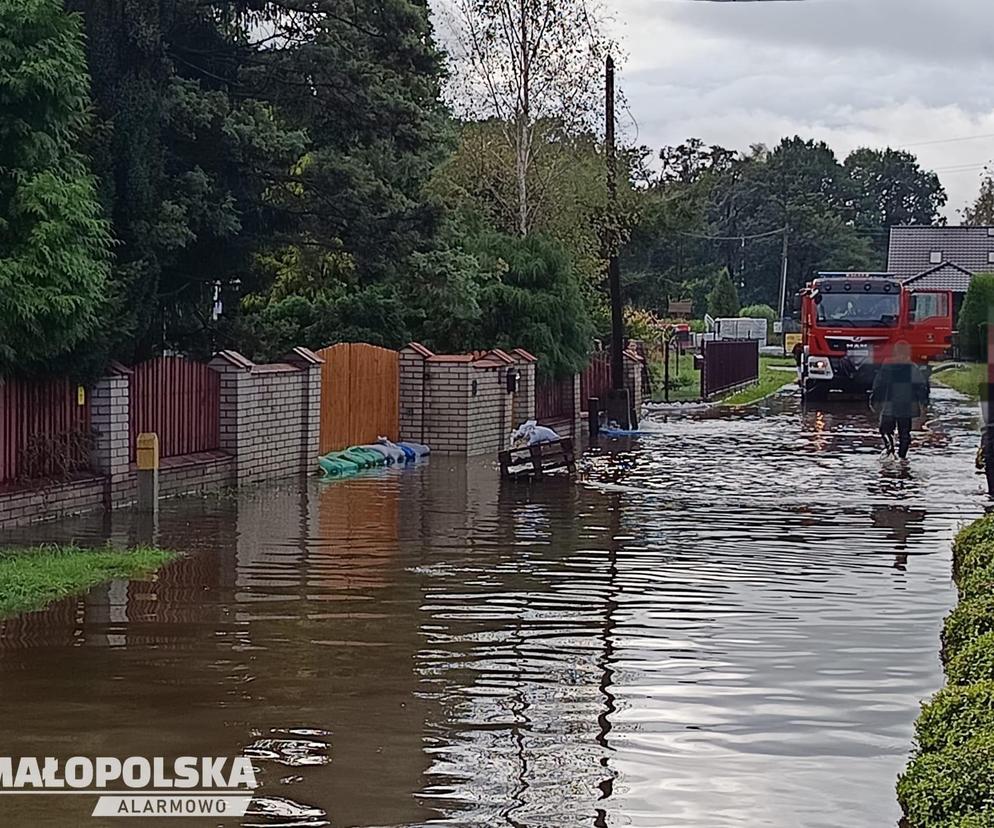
{"x":730,"y":623}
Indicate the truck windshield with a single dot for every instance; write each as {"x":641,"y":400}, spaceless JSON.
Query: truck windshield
{"x":859,"y":310}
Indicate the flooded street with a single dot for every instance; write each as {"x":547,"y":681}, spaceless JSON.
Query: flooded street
{"x":731,"y":623}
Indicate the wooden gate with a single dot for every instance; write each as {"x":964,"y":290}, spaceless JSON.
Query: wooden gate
{"x":180,"y":401}
{"x":360,"y":395}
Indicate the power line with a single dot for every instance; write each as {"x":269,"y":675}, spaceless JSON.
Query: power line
{"x":776,"y":232}
{"x":949,"y":140}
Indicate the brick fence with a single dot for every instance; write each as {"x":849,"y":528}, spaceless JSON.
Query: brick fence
{"x":269,"y":419}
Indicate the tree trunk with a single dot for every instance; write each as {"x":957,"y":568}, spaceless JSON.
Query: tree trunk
{"x":521,"y":171}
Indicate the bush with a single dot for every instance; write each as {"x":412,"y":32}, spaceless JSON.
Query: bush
{"x":976,"y":582}
{"x":967,"y":550}
{"x":971,"y":619}
{"x":760,"y":312}
{"x":948,"y":785}
{"x":954,"y":716}
{"x":973,"y":662}
{"x":973,"y":317}
{"x":982,"y":820}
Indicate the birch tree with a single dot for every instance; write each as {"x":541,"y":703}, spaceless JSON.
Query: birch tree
{"x":533,"y":66}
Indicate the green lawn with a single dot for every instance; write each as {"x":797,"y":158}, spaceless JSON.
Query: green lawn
{"x":966,"y":380}
{"x":690,"y":385}
{"x":31,"y":579}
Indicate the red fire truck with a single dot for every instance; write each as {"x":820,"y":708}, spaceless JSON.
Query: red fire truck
{"x":851,"y":321}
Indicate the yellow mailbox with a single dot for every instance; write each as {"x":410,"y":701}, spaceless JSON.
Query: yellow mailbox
{"x":148,"y":452}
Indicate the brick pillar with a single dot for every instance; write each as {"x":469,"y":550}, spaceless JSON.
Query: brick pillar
{"x":524,"y":399}
{"x":236,"y":387}
{"x":633,"y":379}
{"x":413,"y":392}
{"x":110,"y":419}
{"x":578,"y":406}
{"x":309,"y":362}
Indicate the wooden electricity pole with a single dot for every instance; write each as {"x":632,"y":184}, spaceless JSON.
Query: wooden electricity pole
{"x":614,"y":266}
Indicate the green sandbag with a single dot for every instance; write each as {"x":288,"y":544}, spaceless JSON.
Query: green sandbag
{"x":333,"y":465}
{"x":363,"y":457}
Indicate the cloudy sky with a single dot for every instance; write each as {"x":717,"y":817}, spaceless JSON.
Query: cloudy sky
{"x":908,"y":73}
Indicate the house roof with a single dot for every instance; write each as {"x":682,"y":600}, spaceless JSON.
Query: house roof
{"x":911,"y":249}
{"x":946,"y":276}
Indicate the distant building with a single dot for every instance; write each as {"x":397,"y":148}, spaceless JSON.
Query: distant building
{"x":940,"y":258}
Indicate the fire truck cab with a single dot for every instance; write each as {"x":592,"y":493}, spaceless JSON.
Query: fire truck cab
{"x":851,"y":321}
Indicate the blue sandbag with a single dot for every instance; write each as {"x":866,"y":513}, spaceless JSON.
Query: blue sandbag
{"x":418,"y":449}
{"x":620,"y":432}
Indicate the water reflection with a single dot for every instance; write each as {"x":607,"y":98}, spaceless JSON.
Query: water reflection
{"x":730,"y":623}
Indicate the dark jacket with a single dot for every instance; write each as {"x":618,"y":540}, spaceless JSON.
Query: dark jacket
{"x":899,"y":390}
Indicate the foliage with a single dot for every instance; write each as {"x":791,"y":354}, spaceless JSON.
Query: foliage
{"x":723,"y":300}
{"x":54,"y":242}
{"x":981,"y":212}
{"x":761,"y":312}
{"x":970,"y":619}
{"x":973,"y":547}
{"x":643,"y":324}
{"x":523,"y":65}
{"x":975,"y":315}
{"x":709,"y":208}
{"x":977,"y":581}
{"x":947,"y":785}
{"x":534,"y":301}
{"x":974,"y":662}
{"x":889,"y":188}
{"x":31,"y":579}
{"x":955,"y":715}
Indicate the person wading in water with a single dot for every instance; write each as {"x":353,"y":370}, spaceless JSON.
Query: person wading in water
{"x":900,"y":394}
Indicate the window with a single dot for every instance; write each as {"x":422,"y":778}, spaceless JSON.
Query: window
{"x":990,"y":257}
{"x":935,"y":257}
{"x":929,"y":306}
{"x":990,"y":231}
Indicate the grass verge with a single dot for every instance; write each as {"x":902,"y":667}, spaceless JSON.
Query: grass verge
{"x":966,"y":380}
{"x":33,"y":578}
{"x":949,"y":782}
{"x":688,"y":383}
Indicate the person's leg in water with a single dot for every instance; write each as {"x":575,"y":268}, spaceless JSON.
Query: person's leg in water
{"x":987,"y":437}
{"x":903,"y":436}
{"x":887,"y":425}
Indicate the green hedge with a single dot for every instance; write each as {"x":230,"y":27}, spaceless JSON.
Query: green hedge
{"x":971,"y":619}
{"x":977,"y":582}
{"x":943,"y":786}
{"x":974,"y":662}
{"x":956,"y":715}
{"x":974,"y":546}
{"x":950,"y":781}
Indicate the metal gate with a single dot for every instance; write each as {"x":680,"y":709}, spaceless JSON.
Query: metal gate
{"x":360,"y":395}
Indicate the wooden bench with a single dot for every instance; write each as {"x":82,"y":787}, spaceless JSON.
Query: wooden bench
{"x":538,"y":460}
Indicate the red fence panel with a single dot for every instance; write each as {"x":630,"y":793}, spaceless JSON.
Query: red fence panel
{"x":44,"y":429}
{"x":554,"y":401}
{"x":595,"y":381}
{"x":179,"y":400}
{"x":728,"y":363}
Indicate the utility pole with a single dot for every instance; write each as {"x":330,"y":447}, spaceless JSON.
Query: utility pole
{"x":783,"y":289}
{"x":614,"y":266}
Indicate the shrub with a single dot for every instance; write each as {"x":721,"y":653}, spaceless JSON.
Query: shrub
{"x":982,"y":820}
{"x":973,"y":662}
{"x":973,"y":317}
{"x":948,"y":785}
{"x":977,"y":582}
{"x":760,"y":312}
{"x":971,"y":619}
{"x":955,"y":715}
{"x":974,"y":545}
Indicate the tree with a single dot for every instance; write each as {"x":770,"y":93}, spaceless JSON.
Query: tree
{"x":889,"y":188}
{"x":723,"y":301}
{"x":981,"y":212}
{"x":975,"y":316}
{"x":533,"y":301}
{"x":54,"y":242}
{"x":535,"y":68}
